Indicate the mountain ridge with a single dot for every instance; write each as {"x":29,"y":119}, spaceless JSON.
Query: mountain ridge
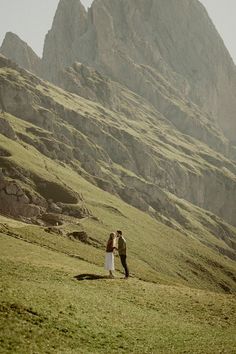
{"x":190,"y":68}
{"x":162,"y":54}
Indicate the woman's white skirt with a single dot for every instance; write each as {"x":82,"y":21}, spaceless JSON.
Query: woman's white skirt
{"x":109,"y":261}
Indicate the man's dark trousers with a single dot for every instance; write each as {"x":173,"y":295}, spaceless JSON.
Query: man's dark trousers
{"x":124,"y":264}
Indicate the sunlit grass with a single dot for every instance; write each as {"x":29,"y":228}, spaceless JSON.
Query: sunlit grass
{"x":44,"y":309}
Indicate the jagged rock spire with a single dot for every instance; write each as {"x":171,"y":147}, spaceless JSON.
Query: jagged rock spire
{"x":69,"y":24}
{"x":19,"y":51}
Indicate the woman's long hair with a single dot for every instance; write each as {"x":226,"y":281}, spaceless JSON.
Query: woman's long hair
{"x":112,"y":236}
{"x":111,"y":240}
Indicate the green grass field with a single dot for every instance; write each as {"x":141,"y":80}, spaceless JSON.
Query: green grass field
{"x":45,"y":309}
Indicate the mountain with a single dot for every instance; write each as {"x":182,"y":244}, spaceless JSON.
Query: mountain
{"x":19,"y":51}
{"x":183,"y":59}
{"x":127,"y":122}
{"x":145,"y":44}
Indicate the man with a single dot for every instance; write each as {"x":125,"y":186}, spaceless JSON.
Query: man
{"x":122,"y":252}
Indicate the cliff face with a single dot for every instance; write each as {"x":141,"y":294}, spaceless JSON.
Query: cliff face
{"x":19,"y":51}
{"x":69,"y":25}
{"x":175,"y":40}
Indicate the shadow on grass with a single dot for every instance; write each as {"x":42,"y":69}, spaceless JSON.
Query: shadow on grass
{"x":90,"y":277}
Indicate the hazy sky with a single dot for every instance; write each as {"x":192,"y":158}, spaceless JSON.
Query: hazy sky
{"x":31,"y":19}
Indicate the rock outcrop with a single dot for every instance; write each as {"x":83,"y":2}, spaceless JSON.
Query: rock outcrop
{"x":15,"y":201}
{"x":26,"y":197}
{"x":19,"y":51}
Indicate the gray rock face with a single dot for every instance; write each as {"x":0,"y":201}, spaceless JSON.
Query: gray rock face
{"x":146,"y":45}
{"x":19,"y":51}
{"x":70,"y":23}
{"x":88,"y":83}
{"x":184,"y":115}
{"x":15,"y":202}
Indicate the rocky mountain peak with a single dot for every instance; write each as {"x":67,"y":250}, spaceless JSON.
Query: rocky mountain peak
{"x":74,"y":12}
{"x":69,"y":24}
{"x":175,"y":40}
{"x":17,"y":50}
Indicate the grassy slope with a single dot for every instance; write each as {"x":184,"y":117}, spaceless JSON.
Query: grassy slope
{"x":44,"y":309}
{"x":157,"y":252}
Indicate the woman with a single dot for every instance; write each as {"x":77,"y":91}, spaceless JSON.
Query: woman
{"x":109,"y":259}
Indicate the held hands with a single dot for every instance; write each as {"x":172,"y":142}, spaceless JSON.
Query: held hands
{"x":115,"y":251}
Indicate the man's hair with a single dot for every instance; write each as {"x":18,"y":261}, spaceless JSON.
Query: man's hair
{"x":119,"y":232}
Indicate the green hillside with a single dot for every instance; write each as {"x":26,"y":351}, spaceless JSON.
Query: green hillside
{"x":157,"y":252}
{"x":48,"y":306}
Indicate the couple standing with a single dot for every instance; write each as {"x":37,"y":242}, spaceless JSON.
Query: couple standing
{"x":116,"y":241}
